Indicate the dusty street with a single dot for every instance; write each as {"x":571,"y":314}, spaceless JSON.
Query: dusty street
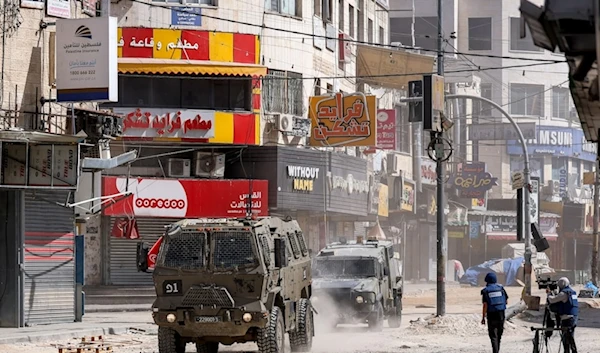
{"x":459,"y":331}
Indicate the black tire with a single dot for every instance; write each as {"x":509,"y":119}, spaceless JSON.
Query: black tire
{"x":271,"y":339}
{"x":208,"y":347}
{"x":395,"y":319}
{"x":301,"y":339}
{"x":169,"y":341}
{"x":376,"y":318}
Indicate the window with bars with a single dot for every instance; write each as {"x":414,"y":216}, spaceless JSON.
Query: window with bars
{"x":527,"y":99}
{"x":283,"y":92}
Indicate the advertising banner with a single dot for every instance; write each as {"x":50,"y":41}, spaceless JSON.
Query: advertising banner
{"x":386,"y":129}
{"x":173,"y":123}
{"x":186,"y":198}
{"x":472,"y":181}
{"x":343,"y":120}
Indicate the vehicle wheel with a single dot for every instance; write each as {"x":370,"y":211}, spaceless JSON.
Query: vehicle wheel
{"x":301,"y":339}
{"x":208,"y":347}
{"x":395,"y":318}
{"x":169,"y":341}
{"x":376,"y":318}
{"x":271,"y":339}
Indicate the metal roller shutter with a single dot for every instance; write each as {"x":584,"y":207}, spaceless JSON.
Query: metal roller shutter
{"x":49,"y":259}
{"x":122,"y":252}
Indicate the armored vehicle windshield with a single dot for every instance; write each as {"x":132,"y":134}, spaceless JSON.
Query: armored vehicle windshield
{"x":338,"y":268}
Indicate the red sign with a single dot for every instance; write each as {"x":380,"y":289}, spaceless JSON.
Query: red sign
{"x":386,"y":129}
{"x":186,"y":198}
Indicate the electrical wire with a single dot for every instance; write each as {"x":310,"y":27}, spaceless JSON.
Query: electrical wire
{"x":282,"y":30}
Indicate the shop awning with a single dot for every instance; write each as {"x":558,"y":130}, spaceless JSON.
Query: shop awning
{"x":513,"y":236}
{"x":390,"y":67}
{"x":187,"y":67}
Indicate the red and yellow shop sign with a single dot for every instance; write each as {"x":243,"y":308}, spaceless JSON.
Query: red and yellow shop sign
{"x":176,"y":44}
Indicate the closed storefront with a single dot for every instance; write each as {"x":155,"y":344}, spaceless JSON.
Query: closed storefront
{"x":49,"y":271}
{"x":157,"y":202}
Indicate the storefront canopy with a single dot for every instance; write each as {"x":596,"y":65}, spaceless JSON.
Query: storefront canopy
{"x":187,"y":67}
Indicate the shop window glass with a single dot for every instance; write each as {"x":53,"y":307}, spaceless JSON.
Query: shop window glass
{"x":166,"y":92}
{"x":138,"y":92}
{"x":240,"y":95}
{"x":196,"y":94}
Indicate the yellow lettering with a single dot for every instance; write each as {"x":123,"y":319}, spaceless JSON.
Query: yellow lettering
{"x":303,"y":185}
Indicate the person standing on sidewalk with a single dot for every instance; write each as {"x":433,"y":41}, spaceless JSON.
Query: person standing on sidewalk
{"x":566,"y":305}
{"x":494,"y":300}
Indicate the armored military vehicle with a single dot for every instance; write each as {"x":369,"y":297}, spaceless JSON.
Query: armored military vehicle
{"x":358,"y":282}
{"x":232,"y":281}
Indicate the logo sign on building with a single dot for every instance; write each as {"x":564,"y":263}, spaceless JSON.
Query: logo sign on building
{"x":428,"y":172}
{"x":187,"y":198}
{"x":343,"y":120}
{"x":500,"y":132}
{"x":534,"y":200}
{"x":456,"y":234}
{"x":347,"y":184}
{"x":433,"y":101}
{"x":303,"y":178}
{"x":167,"y":123}
{"x":408,"y":196}
{"x":386,"y":129}
{"x":474,"y":228}
{"x":50,"y":165}
{"x":89,"y":7}
{"x":86,"y":60}
{"x":300,"y":127}
{"x":58,"y":8}
{"x":473,"y":181}
{"x":383,"y":209}
{"x":186,"y":16}
{"x":556,"y":141}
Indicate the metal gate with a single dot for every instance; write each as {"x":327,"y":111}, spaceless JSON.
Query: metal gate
{"x":49,"y":276}
{"x":122,"y":252}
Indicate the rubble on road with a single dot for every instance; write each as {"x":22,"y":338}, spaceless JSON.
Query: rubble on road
{"x":458,"y":325}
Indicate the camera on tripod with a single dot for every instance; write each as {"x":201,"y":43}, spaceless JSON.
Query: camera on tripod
{"x":549,"y":283}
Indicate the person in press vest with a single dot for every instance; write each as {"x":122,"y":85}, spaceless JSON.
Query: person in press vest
{"x":565,"y":304}
{"x":494,"y":300}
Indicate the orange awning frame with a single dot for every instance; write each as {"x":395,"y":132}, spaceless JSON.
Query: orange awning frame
{"x":187,"y":67}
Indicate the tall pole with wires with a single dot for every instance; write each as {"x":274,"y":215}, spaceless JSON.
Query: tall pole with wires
{"x":441,"y":256}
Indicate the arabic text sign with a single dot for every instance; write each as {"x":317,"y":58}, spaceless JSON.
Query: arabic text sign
{"x":386,"y":129}
{"x":187,"y":198}
{"x":58,"y":8}
{"x":343,"y":120}
{"x":186,"y":16}
{"x":86,"y":60}
{"x":152,"y":123}
{"x":473,"y":181}
{"x":501,"y":132}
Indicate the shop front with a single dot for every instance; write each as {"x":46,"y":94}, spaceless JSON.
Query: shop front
{"x":155,"y":203}
{"x":164,"y":69}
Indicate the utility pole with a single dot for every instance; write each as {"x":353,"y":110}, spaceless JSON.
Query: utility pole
{"x":441,"y":256}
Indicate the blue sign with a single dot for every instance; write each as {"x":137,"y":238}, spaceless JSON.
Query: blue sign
{"x":474,"y":227}
{"x":186,"y":16}
{"x":556,"y":141}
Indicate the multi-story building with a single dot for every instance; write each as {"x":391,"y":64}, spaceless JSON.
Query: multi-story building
{"x":526,"y":81}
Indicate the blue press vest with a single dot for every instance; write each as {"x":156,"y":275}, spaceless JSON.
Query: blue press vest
{"x":571,"y":306}
{"x":495,"y":298}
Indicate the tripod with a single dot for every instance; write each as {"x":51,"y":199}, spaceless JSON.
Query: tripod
{"x":542,"y":334}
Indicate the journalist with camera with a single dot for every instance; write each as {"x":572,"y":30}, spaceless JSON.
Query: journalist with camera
{"x":562,"y":300}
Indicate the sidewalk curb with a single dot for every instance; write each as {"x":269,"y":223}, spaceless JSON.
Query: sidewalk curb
{"x":63,"y":335}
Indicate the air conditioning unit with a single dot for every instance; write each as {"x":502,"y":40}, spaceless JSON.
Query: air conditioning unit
{"x":210,"y":165}
{"x":285,"y":123}
{"x":179,"y":168}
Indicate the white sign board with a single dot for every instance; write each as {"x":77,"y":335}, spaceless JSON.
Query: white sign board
{"x":517,"y":180}
{"x":86,"y":60}
{"x":534,"y":201}
{"x":167,"y":123}
{"x":49,"y":165}
{"x":58,"y":8}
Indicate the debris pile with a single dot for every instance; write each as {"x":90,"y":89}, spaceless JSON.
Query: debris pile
{"x":458,"y":325}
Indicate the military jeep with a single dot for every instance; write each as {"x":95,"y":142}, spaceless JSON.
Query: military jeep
{"x":357,"y":282}
{"x":232,"y":281}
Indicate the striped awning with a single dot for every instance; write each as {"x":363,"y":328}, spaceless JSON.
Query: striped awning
{"x":187,"y":67}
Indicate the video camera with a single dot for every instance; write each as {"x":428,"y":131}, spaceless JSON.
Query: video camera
{"x":549,"y":283}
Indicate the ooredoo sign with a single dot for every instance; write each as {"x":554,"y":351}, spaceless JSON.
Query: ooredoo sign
{"x":172,"y":198}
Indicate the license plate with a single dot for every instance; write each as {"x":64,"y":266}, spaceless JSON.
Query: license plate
{"x":207,"y":319}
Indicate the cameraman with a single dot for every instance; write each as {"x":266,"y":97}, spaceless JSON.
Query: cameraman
{"x":565,"y":304}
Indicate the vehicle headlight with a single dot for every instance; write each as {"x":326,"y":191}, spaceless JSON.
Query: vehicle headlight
{"x":247,"y":317}
{"x":171,"y":318}
{"x":360,"y":299}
